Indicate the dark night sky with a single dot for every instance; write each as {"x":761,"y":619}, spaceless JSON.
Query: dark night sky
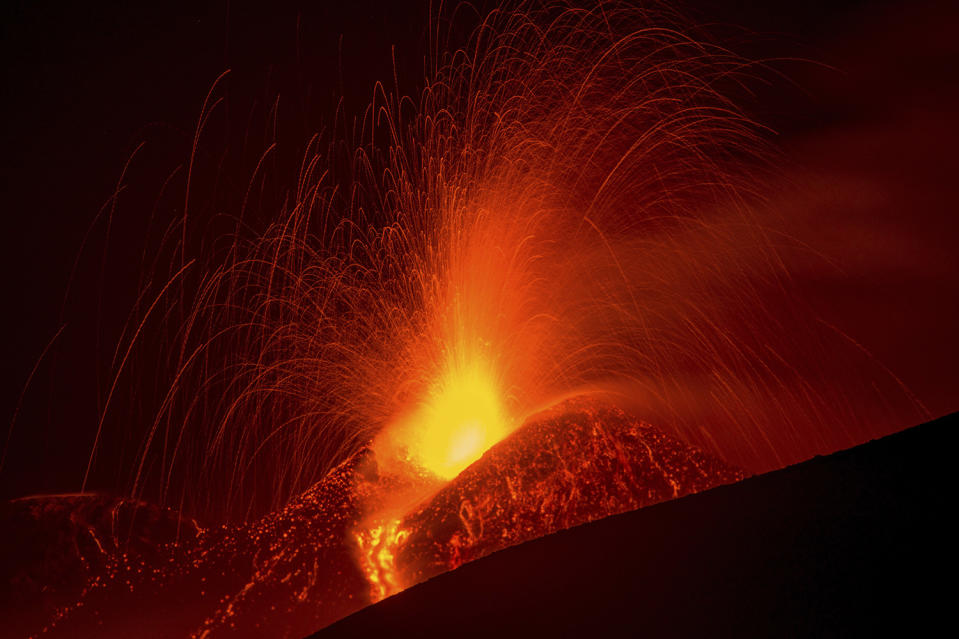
{"x":84,"y":85}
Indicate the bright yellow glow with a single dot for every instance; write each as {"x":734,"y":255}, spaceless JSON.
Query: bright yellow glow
{"x":460,"y":420}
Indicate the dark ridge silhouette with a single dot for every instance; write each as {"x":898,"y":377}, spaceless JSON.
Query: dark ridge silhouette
{"x":854,"y":543}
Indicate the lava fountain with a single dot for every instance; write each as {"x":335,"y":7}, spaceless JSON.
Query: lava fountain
{"x":424,"y":355}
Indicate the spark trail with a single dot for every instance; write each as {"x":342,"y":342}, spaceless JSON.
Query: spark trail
{"x":560,"y":221}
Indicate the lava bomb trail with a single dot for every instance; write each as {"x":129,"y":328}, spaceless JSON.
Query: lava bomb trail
{"x":541,"y":289}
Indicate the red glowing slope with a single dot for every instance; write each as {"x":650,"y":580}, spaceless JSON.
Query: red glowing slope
{"x":569,"y":466}
{"x":296,"y":570}
{"x":858,"y":543}
{"x":291,"y":569}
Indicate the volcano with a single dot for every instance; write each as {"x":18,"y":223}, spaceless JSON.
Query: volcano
{"x":324,"y":346}
{"x":299,"y":569}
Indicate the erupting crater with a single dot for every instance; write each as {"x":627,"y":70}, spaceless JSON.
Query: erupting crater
{"x":461,"y":419}
{"x":577,"y":462}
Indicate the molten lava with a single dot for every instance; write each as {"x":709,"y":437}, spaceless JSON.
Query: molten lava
{"x":577,"y":462}
{"x":461,"y":418}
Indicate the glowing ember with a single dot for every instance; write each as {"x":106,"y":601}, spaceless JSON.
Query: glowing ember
{"x":376,"y":550}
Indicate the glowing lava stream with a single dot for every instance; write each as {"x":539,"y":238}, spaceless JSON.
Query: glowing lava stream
{"x":461,"y":418}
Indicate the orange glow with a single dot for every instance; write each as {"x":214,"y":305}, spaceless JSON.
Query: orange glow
{"x":461,"y":419}
{"x":377,"y":545}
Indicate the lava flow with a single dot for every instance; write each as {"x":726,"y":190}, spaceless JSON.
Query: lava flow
{"x":578,"y":462}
